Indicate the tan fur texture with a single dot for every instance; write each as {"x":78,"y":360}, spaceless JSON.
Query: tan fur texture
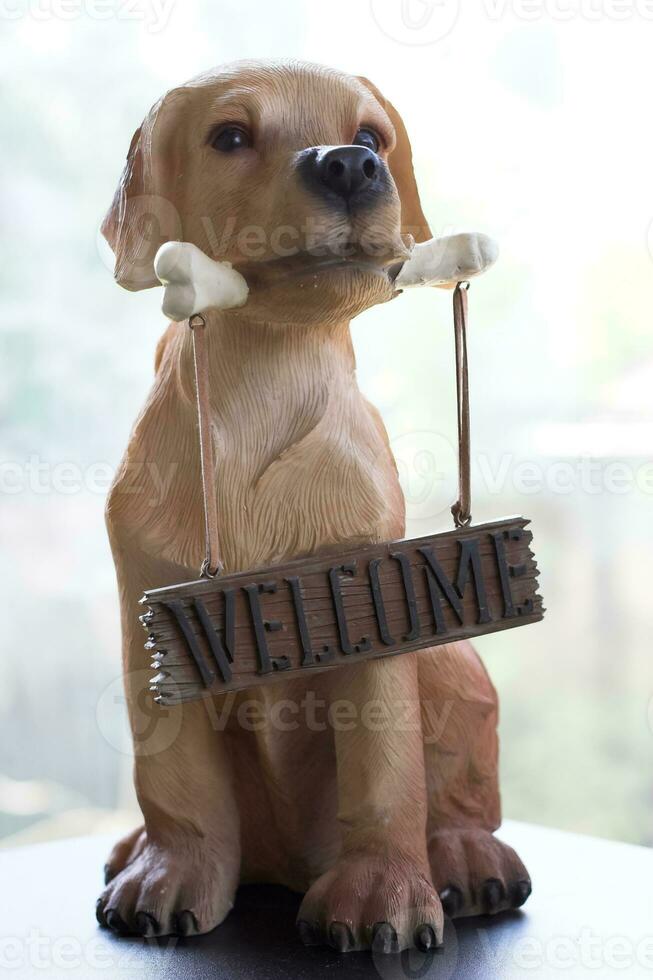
{"x":372,"y":819}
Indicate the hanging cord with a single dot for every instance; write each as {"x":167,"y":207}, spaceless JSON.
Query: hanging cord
{"x":211,"y":566}
{"x":462,"y":509}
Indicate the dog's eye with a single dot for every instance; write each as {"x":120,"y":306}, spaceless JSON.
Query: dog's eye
{"x":368,"y":138}
{"x":227,"y":139}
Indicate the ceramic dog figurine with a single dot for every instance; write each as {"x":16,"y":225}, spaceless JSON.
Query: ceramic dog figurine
{"x":301,"y":178}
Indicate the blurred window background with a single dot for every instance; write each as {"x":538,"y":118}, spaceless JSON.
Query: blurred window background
{"x":529,"y":122}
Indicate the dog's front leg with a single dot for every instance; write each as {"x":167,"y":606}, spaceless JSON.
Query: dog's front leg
{"x":379,"y":894}
{"x":180,"y":872}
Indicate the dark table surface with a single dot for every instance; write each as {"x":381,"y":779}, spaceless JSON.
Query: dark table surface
{"x":590,"y":915}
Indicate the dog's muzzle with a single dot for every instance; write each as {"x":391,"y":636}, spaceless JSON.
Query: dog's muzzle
{"x":343,"y":175}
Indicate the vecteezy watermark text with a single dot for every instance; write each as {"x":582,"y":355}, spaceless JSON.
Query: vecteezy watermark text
{"x":156,"y":727}
{"x":423,"y":22}
{"x":39,"y":951}
{"x":426,"y":463}
{"x":154,"y":14}
{"x":40,"y":477}
{"x":566,"y":10}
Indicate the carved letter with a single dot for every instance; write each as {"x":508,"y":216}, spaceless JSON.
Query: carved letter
{"x":409,"y":589}
{"x":266,"y":663}
{"x":346,"y":646}
{"x":213,"y":639}
{"x":308,"y":657}
{"x":379,"y":605}
{"x":508,"y":571}
{"x":178,"y":611}
{"x":469,"y":566}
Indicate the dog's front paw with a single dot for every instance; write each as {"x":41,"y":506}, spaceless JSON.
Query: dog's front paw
{"x":194,"y":283}
{"x":367,"y":902}
{"x":161,"y":891}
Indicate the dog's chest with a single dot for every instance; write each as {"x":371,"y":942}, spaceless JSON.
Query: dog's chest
{"x":299,"y":468}
{"x":330,"y":481}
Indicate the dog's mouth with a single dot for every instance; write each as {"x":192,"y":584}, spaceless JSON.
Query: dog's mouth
{"x":349,"y":260}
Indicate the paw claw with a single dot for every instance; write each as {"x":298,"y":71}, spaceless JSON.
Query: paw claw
{"x":108,"y":874}
{"x":425,"y":938}
{"x":307,"y":933}
{"x":99,"y":913}
{"x":187,"y":923}
{"x":340,"y":937}
{"x":115,"y":923}
{"x":520,"y":892}
{"x":384,"y":938}
{"x":146,"y":925}
{"x":493,"y":895}
{"x":452,"y":901}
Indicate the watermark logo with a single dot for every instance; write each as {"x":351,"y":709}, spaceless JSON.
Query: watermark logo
{"x":428,"y":472}
{"x":414,"y":964}
{"x":155,"y":727}
{"x":416,"y":22}
{"x":649,"y":239}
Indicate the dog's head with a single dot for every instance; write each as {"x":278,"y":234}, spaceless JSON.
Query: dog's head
{"x":300,"y":176}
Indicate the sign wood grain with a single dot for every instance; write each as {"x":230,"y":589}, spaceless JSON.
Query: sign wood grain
{"x":322,"y":612}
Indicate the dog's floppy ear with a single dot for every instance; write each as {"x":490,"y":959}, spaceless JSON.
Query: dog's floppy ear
{"x":146,"y":210}
{"x":400,"y":163}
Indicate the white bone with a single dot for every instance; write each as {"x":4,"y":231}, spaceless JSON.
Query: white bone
{"x":195,"y":283}
{"x":447,"y":261}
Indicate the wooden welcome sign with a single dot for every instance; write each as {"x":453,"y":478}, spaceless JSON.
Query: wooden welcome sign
{"x":248,"y":629}
{"x":230,"y":633}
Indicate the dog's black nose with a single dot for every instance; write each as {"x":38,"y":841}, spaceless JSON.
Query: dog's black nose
{"x":348,"y":170}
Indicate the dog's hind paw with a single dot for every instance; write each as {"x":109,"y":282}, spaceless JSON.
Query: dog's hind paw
{"x":476,"y":874}
{"x":124,"y":852}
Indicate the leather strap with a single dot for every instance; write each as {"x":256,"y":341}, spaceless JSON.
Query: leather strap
{"x":212,"y":565}
{"x":462,"y":509}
